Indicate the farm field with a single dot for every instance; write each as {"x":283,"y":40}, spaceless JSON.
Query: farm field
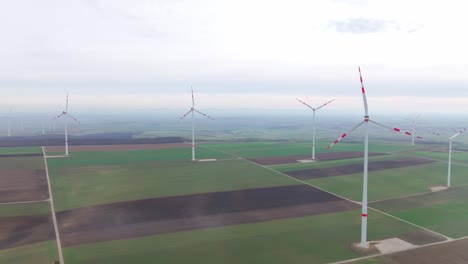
{"x":40,"y":253}
{"x":445,"y":212}
{"x":451,"y":252}
{"x":315,"y":239}
{"x":90,"y":185}
{"x":129,"y":204}
{"x":392,"y":182}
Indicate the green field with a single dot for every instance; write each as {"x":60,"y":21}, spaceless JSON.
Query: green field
{"x":20,"y":150}
{"x":392,"y":183}
{"x":272,"y":149}
{"x":39,"y":253}
{"x":79,"y":159}
{"x":24,"y":209}
{"x":315,"y":239}
{"x":445,"y":212}
{"x":75,"y":187}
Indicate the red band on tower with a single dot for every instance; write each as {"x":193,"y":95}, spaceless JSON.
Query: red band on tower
{"x":364,"y":215}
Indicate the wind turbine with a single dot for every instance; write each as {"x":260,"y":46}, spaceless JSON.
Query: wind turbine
{"x":66,"y":115}
{"x":450,"y":156}
{"x":313,"y":122}
{"x":193,"y":110}
{"x":414,"y":128}
{"x":365,"y":122}
{"x":8,"y":117}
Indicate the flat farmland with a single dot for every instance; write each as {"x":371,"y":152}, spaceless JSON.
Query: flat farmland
{"x":196,"y":211}
{"x":23,"y":179}
{"x":89,"y":158}
{"x":313,"y":239}
{"x":19,"y":150}
{"x":76,"y":186}
{"x":451,"y":253}
{"x":116,"y":147}
{"x":275,"y":149}
{"x":392,"y":183}
{"x":38,"y":253}
{"x":23,"y":224}
{"x":445,"y":212}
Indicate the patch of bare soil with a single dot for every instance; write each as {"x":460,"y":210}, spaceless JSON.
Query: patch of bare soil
{"x":172,"y":214}
{"x":355,"y":168}
{"x":124,"y":147}
{"x":321,"y":156}
{"x":23,"y":230}
{"x":23,"y":185}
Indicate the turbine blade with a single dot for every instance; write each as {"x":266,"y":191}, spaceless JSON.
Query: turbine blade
{"x":457,"y":134}
{"x":193,"y":98}
{"x":203,"y":114}
{"x":306,"y":104}
{"x":325,"y":104}
{"x":186,"y":114}
{"x":74,"y":119}
{"x":345,"y":134}
{"x":364,"y":98}
{"x":58,"y":116}
{"x":66,"y":105}
{"x":418,"y":116}
{"x":396,"y":129}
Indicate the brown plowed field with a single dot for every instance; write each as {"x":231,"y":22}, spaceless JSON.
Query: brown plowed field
{"x":23,"y":185}
{"x":321,"y":156}
{"x":20,"y":155}
{"x":355,"y":168}
{"x":22,"y":230}
{"x":448,"y":253}
{"x":117,"y":147}
{"x":172,"y":214}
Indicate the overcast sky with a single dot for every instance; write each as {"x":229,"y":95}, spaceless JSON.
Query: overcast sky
{"x":235,"y":53}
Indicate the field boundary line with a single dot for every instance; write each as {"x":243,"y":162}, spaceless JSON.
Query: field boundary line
{"x":25,"y":202}
{"x":52,"y":210}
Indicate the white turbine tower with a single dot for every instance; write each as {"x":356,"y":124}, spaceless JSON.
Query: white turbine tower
{"x":365,"y":122}
{"x":8,"y":118}
{"x":313,"y":122}
{"x":66,"y":115}
{"x":193,"y":110}
{"x":450,"y":156}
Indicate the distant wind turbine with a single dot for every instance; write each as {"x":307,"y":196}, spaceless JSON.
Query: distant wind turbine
{"x":8,"y":117}
{"x":450,"y":156}
{"x":414,"y":130}
{"x":193,"y":110}
{"x":313,"y":122}
{"x":365,"y":122}
{"x":66,"y":115}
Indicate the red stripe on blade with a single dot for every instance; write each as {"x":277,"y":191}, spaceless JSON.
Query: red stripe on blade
{"x":408,"y":133}
{"x":396,"y":129}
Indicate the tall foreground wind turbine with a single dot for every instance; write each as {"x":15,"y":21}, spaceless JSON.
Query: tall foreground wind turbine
{"x":365,"y":122}
{"x":313,"y":122}
{"x":193,"y":110}
{"x":450,"y":156}
{"x":66,"y":115}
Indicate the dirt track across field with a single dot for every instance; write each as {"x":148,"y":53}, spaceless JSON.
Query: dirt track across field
{"x":21,"y":155}
{"x":23,"y":185}
{"x":448,"y":253}
{"x":79,"y":148}
{"x":23,"y":230}
{"x":321,"y":157}
{"x":355,"y":168}
{"x":179,"y":213}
